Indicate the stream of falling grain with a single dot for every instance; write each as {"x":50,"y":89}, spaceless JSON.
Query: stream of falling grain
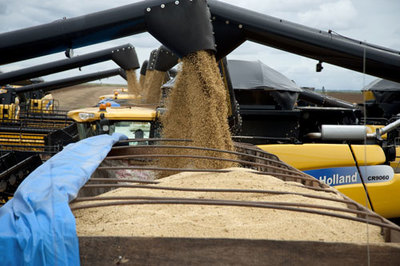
{"x":133,"y":84}
{"x":197,"y":109}
{"x":152,"y":86}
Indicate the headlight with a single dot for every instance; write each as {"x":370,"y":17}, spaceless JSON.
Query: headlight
{"x":86,"y":116}
{"x":105,"y":128}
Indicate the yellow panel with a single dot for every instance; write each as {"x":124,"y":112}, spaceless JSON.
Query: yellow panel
{"x":384,"y":196}
{"x":373,"y":154}
{"x":7,"y":111}
{"x":117,"y":113}
{"x":396,"y":163}
{"x":396,"y":166}
{"x":312,"y":156}
{"x":373,"y":128}
{"x":122,"y":96}
{"x":368,"y":95}
{"x":355,"y":192}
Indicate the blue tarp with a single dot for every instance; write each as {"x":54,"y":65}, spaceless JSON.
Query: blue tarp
{"x":111,"y":101}
{"x":37,"y":226}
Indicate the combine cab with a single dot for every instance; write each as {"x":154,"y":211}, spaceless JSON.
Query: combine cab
{"x":133,"y":121}
{"x":382,"y":100}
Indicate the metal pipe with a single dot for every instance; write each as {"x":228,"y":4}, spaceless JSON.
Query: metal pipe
{"x":343,"y":132}
{"x":195,"y":157}
{"x":314,"y":135}
{"x":324,"y":46}
{"x":164,"y":19}
{"x":291,"y":204}
{"x":254,"y":204}
{"x":288,"y":204}
{"x":62,"y":83}
{"x":275,"y":161}
{"x":351,"y":132}
{"x":388,"y":128}
{"x":232,"y":26}
{"x":228,"y":190}
{"x":324,"y":100}
{"x":125,"y":180}
{"x":76,"y":32}
{"x":129,"y":61}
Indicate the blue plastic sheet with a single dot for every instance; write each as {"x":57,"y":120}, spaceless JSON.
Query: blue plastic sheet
{"x":37,"y":226}
{"x":111,"y":101}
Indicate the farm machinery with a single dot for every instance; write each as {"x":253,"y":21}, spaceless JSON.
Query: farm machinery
{"x":30,"y":136}
{"x":38,"y":125}
{"x":32,"y":98}
{"x":32,"y":124}
{"x":24,"y":108}
{"x":326,"y":141}
{"x":275,"y":125}
{"x":322,"y":134}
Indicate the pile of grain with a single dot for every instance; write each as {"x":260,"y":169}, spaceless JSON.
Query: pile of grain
{"x":197,"y":109}
{"x":152,"y":86}
{"x":133,"y":84}
{"x":223,"y":221}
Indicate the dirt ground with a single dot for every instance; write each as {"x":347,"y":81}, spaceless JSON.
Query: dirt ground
{"x":353,"y":97}
{"x":86,"y":95}
{"x":81,"y":96}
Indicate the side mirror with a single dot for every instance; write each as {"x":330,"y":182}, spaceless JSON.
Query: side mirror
{"x":104,"y":125}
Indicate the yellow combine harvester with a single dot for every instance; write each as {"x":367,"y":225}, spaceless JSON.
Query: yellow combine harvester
{"x":362,"y":172}
{"x":336,"y":156}
{"x":120,"y":94}
{"x":231,"y":27}
{"x":128,"y":120}
{"x":276,"y":119}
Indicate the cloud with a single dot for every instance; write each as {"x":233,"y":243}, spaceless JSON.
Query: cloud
{"x":330,"y":15}
{"x":3,"y":9}
{"x":268,"y":6}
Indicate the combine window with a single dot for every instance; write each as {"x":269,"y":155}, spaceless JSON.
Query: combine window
{"x":132,"y":129}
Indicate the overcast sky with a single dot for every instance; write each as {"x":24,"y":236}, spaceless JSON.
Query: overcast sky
{"x":373,"y":21}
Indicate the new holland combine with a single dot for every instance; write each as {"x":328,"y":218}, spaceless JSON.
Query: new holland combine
{"x":269,"y":117}
{"x":321,"y":136}
{"x":321,"y":133}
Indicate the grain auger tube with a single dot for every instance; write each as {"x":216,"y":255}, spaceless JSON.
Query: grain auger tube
{"x":173,"y":22}
{"x":66,"y":82}
{"x":160,"y":62}
{"x":324,"y":100}
{"x":167,"y":21}
{"x":161,"y":59}
{"x":123,"y":55}
{"x":233,"y":25}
